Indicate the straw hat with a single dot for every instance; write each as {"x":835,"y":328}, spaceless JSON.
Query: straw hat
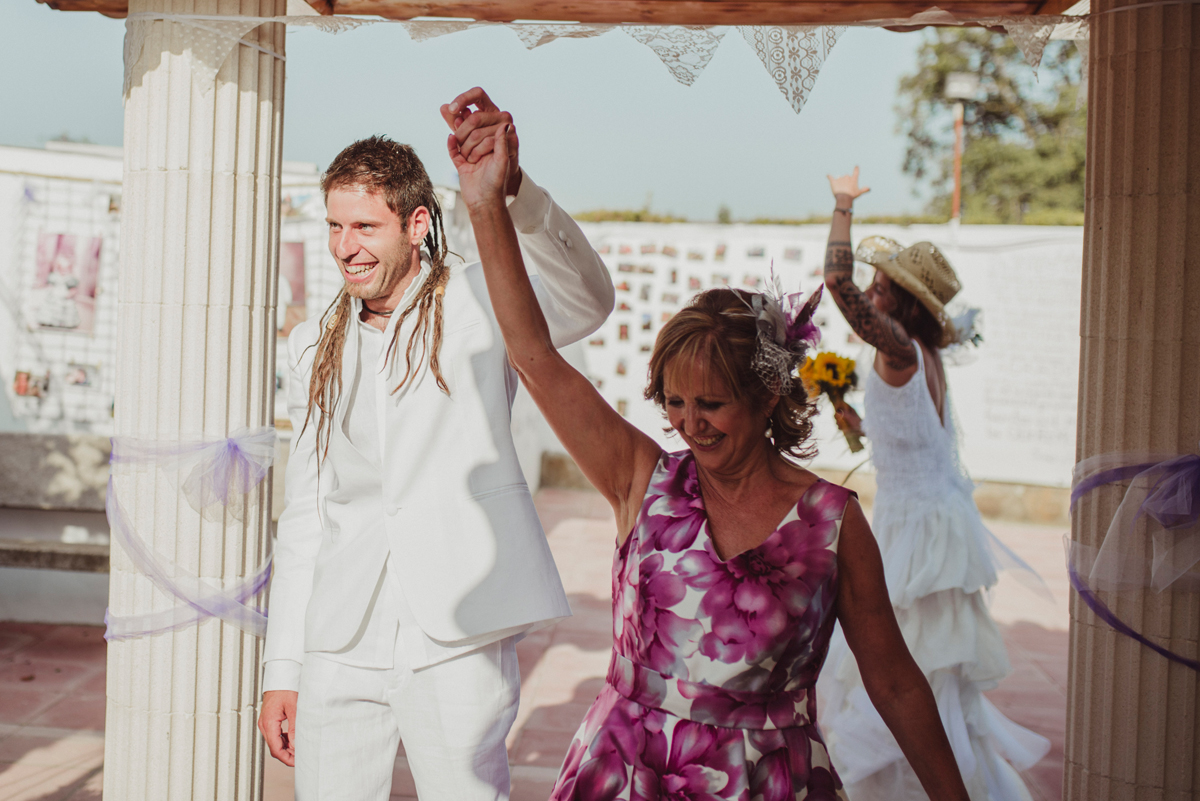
{"x":876,"y":249}
{"x":921,"y":269}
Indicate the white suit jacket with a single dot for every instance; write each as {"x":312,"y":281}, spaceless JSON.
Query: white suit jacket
{"x":459,"y":519}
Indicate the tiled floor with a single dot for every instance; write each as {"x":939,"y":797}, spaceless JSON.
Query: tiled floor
{"x":52,"y":677}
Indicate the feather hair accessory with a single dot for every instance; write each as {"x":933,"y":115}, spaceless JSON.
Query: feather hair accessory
{"x":785,"y":332}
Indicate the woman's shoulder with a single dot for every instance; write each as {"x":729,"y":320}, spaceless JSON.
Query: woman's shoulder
{"x":825,"y":500}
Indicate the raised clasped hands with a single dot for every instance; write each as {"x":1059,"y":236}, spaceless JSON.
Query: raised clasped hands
{"x":483,"y":146}
{"x":847,"y":185}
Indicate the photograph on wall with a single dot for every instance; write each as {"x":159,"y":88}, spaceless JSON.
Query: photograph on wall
{"x":82,"y":375}
{"x":291,"y":308}
{"x":64,"y":284}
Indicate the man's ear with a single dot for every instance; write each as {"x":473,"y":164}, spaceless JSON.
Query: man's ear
{"x":419,"y":223}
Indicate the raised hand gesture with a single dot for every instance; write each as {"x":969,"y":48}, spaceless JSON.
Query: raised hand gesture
{"x":475,"y":119}
{"x":486,"y":179}
{"x":847,"y":185}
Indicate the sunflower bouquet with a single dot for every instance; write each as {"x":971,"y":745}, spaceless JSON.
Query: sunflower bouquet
{"x":832,"y":375}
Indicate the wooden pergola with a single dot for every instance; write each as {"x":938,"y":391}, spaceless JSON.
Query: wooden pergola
{"x":199,"y":250}
{"x":647,"y":12}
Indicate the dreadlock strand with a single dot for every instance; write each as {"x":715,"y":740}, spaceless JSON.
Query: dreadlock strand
{"x":434,"y":363}
{"x":327,"y":367}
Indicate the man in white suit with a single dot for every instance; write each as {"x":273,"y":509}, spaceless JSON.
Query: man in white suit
{"x":410,"y":557}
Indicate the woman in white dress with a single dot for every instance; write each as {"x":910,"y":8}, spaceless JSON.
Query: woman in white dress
{"x":935,"y":548}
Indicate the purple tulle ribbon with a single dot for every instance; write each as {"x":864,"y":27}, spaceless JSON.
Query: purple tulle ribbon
{"x":1164,"y":489}
{"x":218,"y":473}
{"x":1108,"y":616}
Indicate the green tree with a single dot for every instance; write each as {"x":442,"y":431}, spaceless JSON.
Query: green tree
{"x":1024,"y":139}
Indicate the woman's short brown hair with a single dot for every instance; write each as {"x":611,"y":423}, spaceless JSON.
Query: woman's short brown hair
{"x":718,"y":328}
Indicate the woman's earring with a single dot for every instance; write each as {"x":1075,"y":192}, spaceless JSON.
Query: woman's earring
{"x":768,"y":432}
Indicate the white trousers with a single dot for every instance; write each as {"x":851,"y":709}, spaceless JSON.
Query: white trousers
{"x":452,"y":717}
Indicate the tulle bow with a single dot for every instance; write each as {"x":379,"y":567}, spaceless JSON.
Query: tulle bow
{"x":215,"y":477}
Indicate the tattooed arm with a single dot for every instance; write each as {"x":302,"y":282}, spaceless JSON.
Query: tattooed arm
{"x":894,"y":344}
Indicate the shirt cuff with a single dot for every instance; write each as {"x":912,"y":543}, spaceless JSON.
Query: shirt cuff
{"x":529,"y":207}
{"x":281,"y":674}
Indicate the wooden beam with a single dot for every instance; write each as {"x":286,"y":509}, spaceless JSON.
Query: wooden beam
{"x":109,"y":8}
{"x":649,"y":12}
{"x":1055,"y":6}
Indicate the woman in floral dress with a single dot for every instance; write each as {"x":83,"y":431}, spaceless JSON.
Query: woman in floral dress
{"x":732,"y":562}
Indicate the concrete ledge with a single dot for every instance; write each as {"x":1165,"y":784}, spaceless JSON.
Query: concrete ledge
{"x":66,"y":472}
{"x":74,"y":556}
{"x":1021,"y":503}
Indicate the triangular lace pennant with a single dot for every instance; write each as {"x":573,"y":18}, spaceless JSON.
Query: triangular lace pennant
{"x":424,"y":30}
{"x":336,"y":24}
{"x":1029,"y":37}
{"x":685,"y":50}
{"x":537,"y":35}
{"x":793,"y":55}
{"x":206,"y":42}
{"x":135,"y":42}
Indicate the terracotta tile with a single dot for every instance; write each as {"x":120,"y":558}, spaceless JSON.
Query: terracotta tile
{"x":1037,"y":641}
{"x":90,"y":790}
{"x":78,"y":750}
{"x":71,"y":644}
{"x":1055,"y":670}
{"x":19,"y":705}
{"x":74,"y":712}
{"x":402,"y":781}
{"x":562,"y":718}
{"x":35,"y":630}
{"x":1010,"y":698}
{"x":42,"y":782}
{"x":1050,"y":723}
{"x":97,"y":684}
{"x":542,"y":748}
{"x":13,"y":641}
{"x":279,"y":781}
{"x":1047,"y":778}
{"x":531,"y":789}
{"x":47,"y":674}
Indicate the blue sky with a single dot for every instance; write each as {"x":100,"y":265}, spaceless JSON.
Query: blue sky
{"x":602,"y":122}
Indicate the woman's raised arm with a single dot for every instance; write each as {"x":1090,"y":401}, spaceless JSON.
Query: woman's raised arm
{"x":875,"y":327}
{"x":615,"y":456}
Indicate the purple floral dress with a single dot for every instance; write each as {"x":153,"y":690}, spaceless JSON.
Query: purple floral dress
{"x":710,"y":690}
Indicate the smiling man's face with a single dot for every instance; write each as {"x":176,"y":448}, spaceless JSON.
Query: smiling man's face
{"x":371,"y":245}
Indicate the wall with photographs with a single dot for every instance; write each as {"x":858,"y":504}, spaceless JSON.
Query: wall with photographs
{"x":59,"y":240}
{"x":59,"y":249}
{"x":1014,"y":398}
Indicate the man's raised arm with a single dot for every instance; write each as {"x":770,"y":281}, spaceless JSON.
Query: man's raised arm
{"x":573,"y":286}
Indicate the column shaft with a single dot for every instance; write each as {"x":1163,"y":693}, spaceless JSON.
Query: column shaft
{"x":1132,"y":725}
{"x":195,"y":359}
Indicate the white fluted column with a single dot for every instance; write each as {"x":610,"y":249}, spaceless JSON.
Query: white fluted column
{"x":195,"y":358}
{"x":1133,"y":728}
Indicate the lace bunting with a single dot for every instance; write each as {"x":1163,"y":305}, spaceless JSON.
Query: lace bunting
{"x":793,"y":55}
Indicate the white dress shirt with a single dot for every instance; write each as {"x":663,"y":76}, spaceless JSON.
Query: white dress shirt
{"x":388,"y":635}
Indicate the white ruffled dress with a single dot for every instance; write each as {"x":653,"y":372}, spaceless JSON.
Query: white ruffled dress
{"x":938,"y":563}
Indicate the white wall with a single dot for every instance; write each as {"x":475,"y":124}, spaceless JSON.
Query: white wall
{"x":1015,"y":400}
